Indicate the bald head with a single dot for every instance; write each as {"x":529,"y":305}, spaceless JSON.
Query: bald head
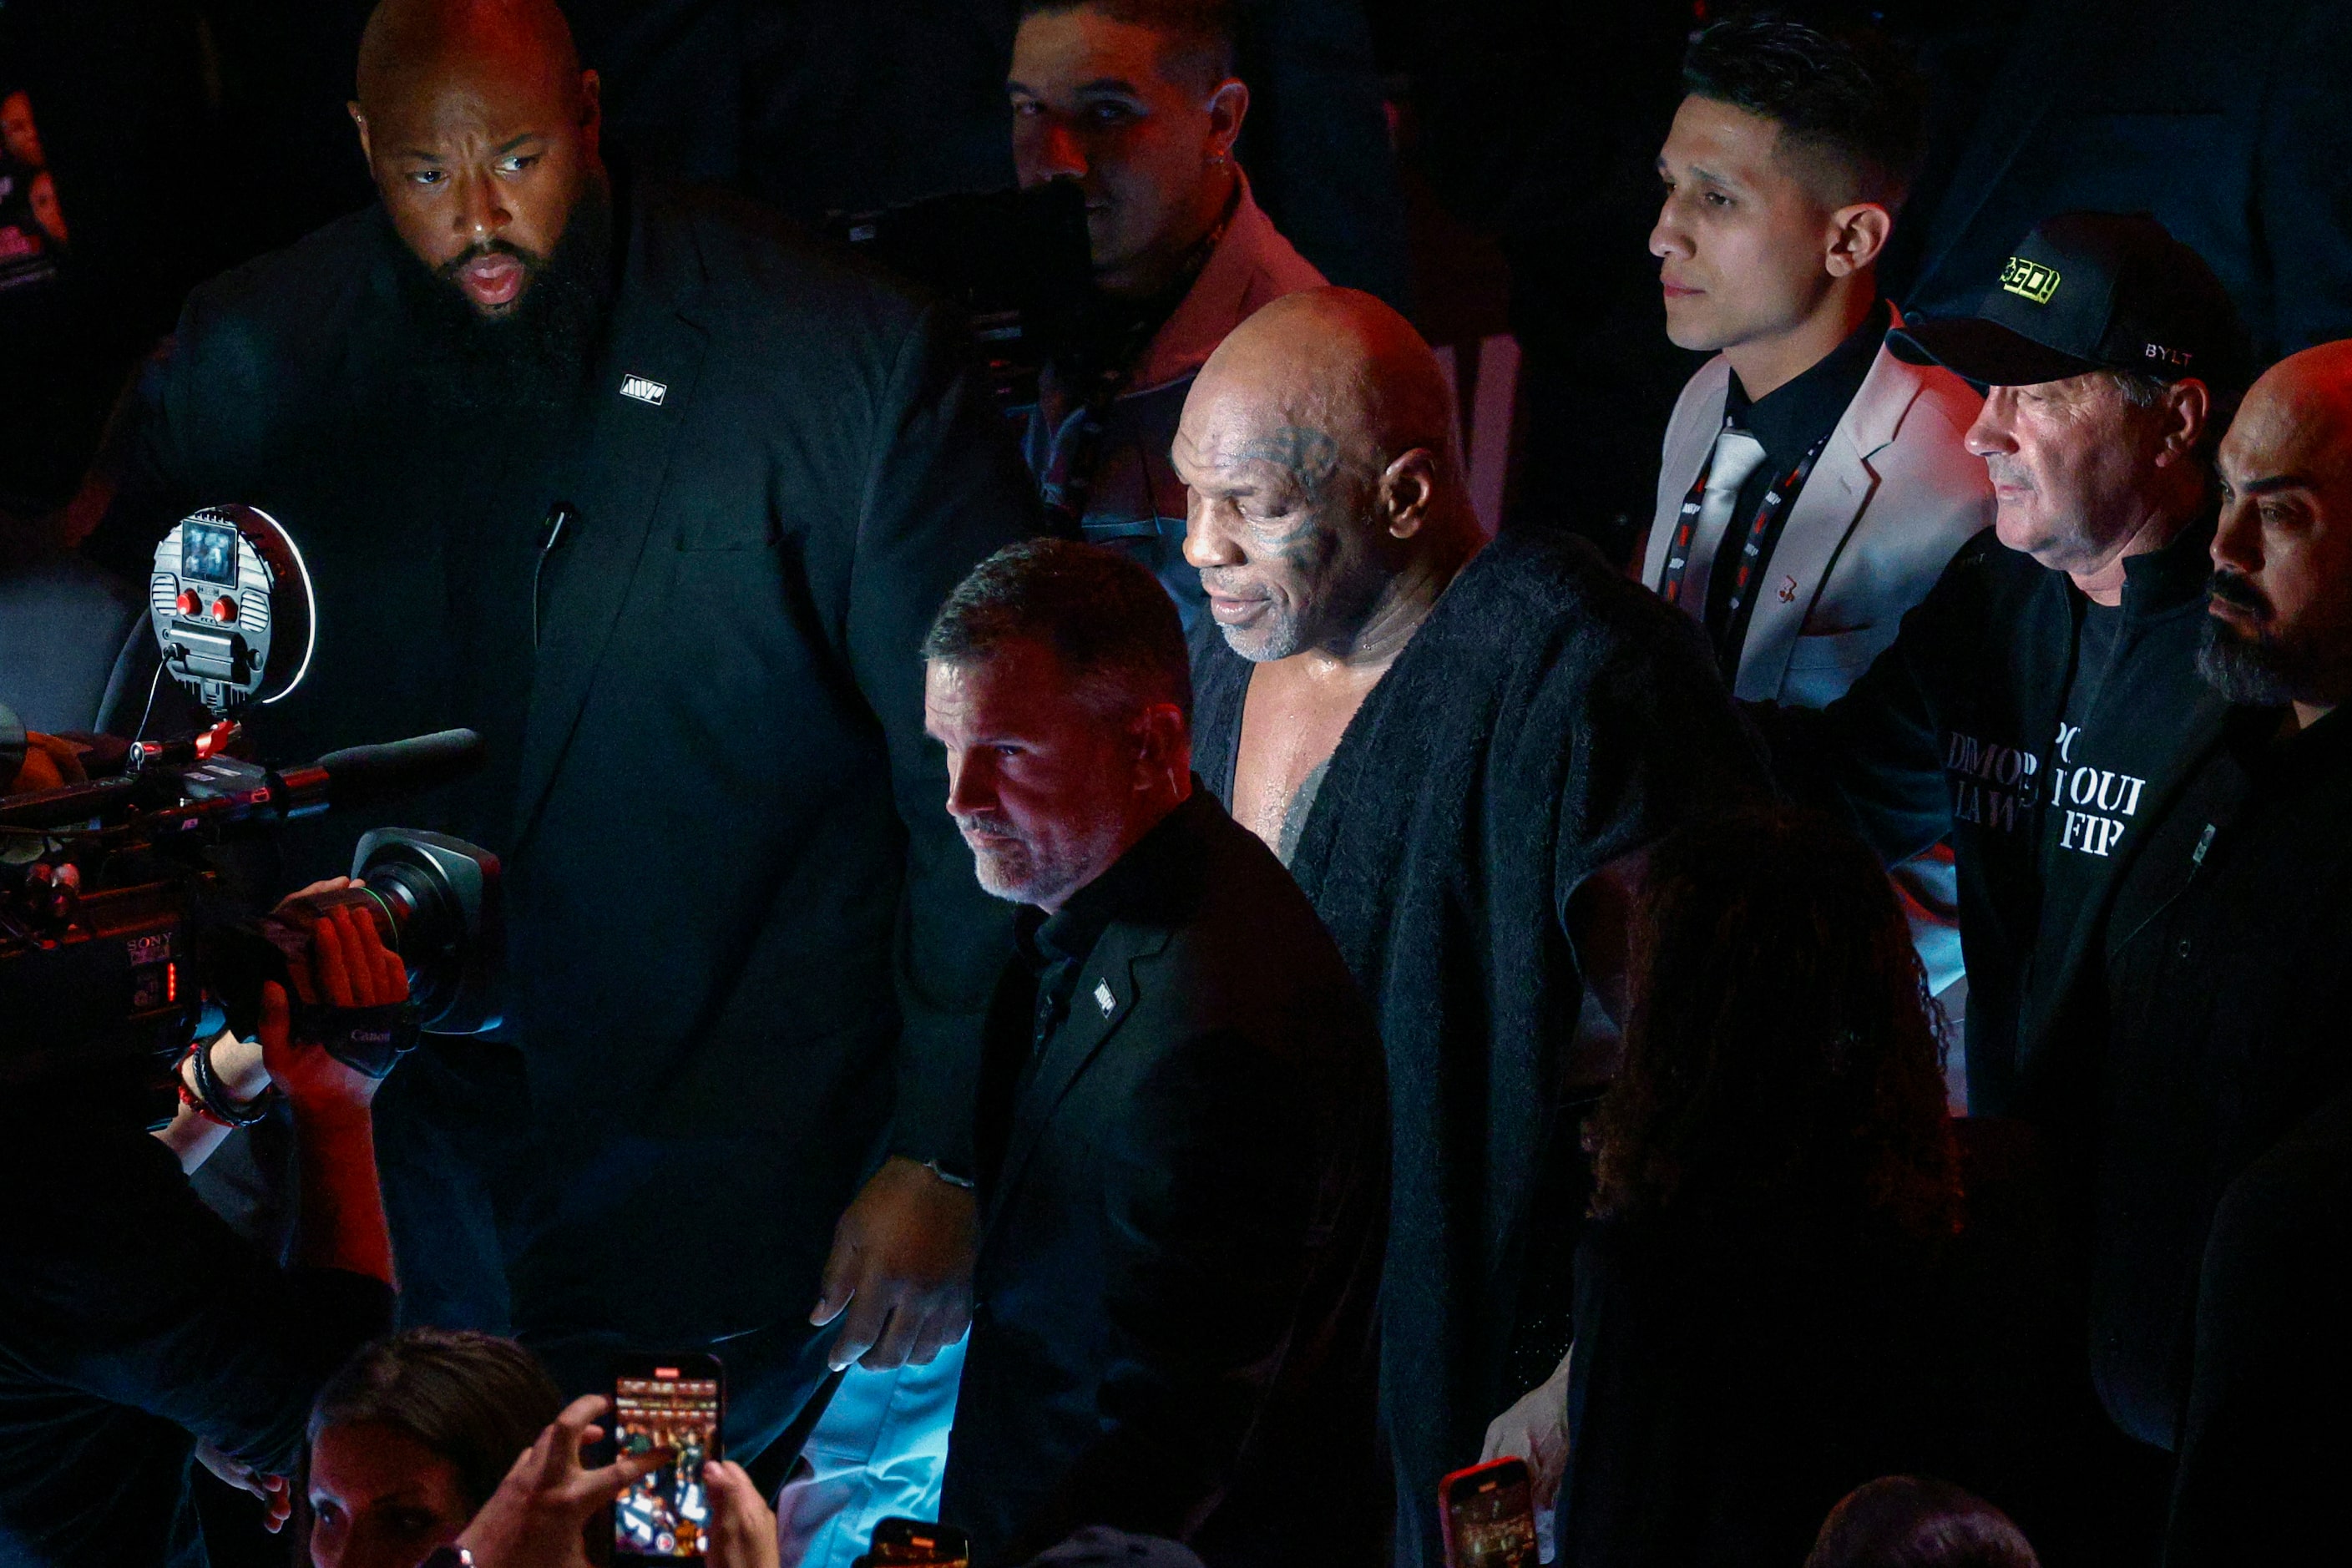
{"x":1317,"y":446}
{"x":2281,"y":593}
{"x":1339,"y":361}
{"x":412,"y":44}
{"x":480,"y":130}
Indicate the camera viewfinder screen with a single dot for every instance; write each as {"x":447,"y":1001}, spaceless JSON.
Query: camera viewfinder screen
{"x":667,"y":1512}
{"x":207,"y":553}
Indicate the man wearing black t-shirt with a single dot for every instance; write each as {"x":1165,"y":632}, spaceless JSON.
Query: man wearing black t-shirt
{"x":2031,"y":703}
{"x":133,"y":1324}
{"x":2030,"y":698}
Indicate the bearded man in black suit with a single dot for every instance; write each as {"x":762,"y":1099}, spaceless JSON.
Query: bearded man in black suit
{"x":661,"y":500}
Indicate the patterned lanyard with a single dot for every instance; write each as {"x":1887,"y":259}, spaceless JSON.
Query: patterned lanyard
{"x":1763,"y":532}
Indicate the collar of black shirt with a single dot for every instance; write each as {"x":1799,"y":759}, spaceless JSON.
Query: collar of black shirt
{"x":2163,"y":579}
{"x":1136,"y":883}
{"x":1791,"y":418}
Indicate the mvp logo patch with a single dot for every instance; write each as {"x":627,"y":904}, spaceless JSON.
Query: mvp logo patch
{"x":2029,"y":279}
{"x":644,"y":391}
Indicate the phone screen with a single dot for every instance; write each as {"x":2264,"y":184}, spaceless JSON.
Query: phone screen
{"x":918,"y":1544}
{"x":666,"y":1513}
{"x":1490,"y":1519}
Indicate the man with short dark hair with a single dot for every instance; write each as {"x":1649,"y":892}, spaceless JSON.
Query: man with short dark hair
{"x":1181,"y":1144}
{"x":2218,"y":983}
{"x":659,"y":500}
{"x":1461,"y":749}
{"x":1137,"y":101}
{"x":1814,"y":485}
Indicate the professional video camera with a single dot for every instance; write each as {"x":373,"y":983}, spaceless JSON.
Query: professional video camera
{"x":1018,"y":260}
{"x":118,"y":940}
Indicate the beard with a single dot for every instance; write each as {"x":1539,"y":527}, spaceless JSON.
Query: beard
{"x":1275,"y":633}
{"x":535,"y":355}
{"x":1019,"y":869}
{"x":2259,"y":671}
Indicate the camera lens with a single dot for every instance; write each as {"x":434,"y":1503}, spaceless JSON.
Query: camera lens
{"x":426,"y":929}
{"x":440,"y":896}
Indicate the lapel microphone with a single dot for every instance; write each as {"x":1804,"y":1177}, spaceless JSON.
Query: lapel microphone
{"x":555,"y":531}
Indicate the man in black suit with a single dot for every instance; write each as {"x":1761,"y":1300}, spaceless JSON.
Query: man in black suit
{"x":1183,"y":1125}
{"x":661,"y":500}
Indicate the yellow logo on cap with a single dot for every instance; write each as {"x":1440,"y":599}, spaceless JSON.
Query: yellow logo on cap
{"x":2029,"y":279}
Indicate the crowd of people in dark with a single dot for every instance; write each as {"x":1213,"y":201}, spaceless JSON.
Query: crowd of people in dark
{"x":1144,"y":978}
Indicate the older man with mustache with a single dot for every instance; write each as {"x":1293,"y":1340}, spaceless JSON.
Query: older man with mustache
{"x":2051,"y":673}
{"x":2033,"y":705}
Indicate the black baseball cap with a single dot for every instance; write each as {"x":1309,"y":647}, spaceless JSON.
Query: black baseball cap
{"x":2087,"y":292}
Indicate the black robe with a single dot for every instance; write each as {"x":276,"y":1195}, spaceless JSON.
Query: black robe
{"x":1548,"y":718}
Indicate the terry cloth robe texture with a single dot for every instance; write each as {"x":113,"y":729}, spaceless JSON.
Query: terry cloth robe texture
{"x":1548,"y":718}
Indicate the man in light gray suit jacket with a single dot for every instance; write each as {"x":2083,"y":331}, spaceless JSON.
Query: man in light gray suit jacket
{"x":1813,"y":486}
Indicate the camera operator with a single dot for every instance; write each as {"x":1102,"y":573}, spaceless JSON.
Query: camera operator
{"x":1137,"y":101}
{"x":134,"y":1324}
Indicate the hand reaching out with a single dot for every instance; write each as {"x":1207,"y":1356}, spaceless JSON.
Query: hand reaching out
{"x":1535,"y":1429}
{"x":276,"y":1498}
{"x":899,"y":1275}
{"x":538,"y":1516}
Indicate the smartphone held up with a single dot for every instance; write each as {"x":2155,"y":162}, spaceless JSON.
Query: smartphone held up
{"x":678,"y":1404}
{"x":1489,"y":1517}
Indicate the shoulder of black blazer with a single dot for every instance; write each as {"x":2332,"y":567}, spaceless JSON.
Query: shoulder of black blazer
{"x":1237,"y":926}
{"x":1228,"y":948}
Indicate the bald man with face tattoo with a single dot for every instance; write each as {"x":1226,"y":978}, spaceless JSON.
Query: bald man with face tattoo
{"x":661,"y":500}
{"x":1461,"y":749}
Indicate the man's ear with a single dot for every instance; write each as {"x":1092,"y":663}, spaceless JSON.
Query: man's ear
{"x":1858,"y":235}
{"x":2188,"y":409}
{"x":360,"y":119}
{"x":1163,"y":745}
{"x":1408,"y":492}
{"x":592,"y":108}
{"x":1228,"y":107}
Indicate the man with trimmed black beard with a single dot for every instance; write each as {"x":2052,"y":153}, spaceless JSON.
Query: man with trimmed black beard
{"x":2219,"y":985}
{"x":661,"y":500}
